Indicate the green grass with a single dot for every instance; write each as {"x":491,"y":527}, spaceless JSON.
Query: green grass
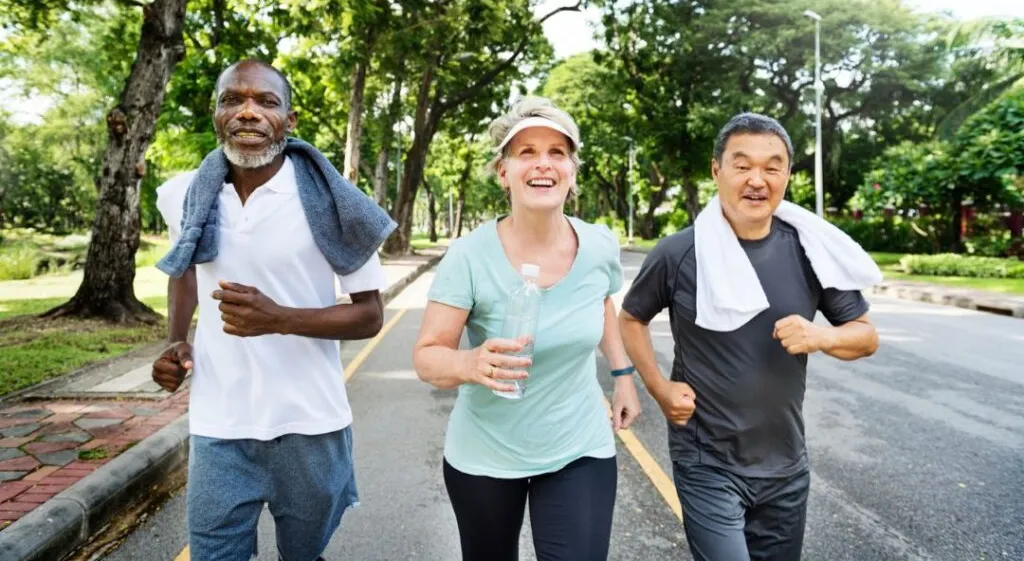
{"x":36,"y":306}
{"x":641,"y":244}
{"x":421,"y":242}
{"x":94,"y":454}
{"x":886,"y":259}
{"x":17,"y":261}
{"x":26,"y":254}
{"x":890,"y":265}
{"x":33,"y":350}
{"x":151,"y":249}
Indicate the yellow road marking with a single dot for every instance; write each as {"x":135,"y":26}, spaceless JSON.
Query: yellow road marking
{"x":661,"y":481}
{"x":358,"y":361}
{"x":365,"y":351}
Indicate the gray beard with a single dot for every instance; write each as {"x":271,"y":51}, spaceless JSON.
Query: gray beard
{"x":251,"y":161}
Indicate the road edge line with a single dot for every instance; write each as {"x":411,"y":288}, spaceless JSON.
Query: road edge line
{"x":662,"y":482}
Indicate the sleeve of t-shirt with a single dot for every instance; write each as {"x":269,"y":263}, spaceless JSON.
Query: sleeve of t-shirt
{"x":841,"y":306}
{"x":612,"y":262}
{"x":367,"y":278}
{"x":170,"y":198}
{"x":453,"y":281}
{"x":651,"y":289}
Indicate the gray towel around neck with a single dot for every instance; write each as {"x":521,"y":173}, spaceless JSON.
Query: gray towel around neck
{"x":348,"y":226}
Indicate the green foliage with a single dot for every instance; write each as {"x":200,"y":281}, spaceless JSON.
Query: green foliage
{"x":79,"y":63}
{"x":456,"y":164}
{"x":951,"y":264}
{"x":993,"y":243}
{"x":909,"y":175}
{"x":994,"y":47}
{"x":26,"y":253}
{"x":983,"y":165}
{"x":922,"y":235}
{"x":99,"y":453}
{"x":17,"y":262}
{"x":801,"y":190}
{"x":989,"y":150}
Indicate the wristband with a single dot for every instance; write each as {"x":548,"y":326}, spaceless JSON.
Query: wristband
{"x":623,"y":371}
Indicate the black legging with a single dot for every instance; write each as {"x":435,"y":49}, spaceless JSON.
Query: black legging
{"x":570,"y":512}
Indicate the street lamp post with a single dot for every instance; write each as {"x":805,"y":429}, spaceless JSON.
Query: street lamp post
{"x":819,"y":87}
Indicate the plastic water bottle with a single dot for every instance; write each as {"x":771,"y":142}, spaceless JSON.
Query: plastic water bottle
{"x":521,"y":314}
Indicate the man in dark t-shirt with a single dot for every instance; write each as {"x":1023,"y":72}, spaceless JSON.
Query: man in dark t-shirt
{"x":735,"y":399}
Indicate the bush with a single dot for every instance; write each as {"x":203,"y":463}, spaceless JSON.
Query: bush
{"x":616,"y":225}
{"x":17,"y":262}
{"x":954,"y":265}
{"x":898,"y":235}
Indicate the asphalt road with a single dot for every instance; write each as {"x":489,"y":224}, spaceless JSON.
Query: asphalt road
{"x":916,"y":453}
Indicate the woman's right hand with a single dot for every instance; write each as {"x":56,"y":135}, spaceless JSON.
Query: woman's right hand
{"x":488,"y":364}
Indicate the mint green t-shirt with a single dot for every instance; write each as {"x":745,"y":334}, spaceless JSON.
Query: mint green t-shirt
{"x":561,"y":417}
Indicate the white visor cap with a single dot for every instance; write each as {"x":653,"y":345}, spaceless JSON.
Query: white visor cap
{"x":538,"y":122}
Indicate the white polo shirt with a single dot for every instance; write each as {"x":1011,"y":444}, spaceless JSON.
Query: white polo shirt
{"x":267,"y":386}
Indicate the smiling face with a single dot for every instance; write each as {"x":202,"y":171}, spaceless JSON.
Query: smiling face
{"x":253,"y":117}
{"x":751,"y":179}
{"x":538,"y":171}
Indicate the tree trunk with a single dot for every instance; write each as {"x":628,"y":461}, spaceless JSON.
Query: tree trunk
{"x":355,"y":120}
{"x":692,"y":197}
{"x":425,"y":125}
{"x":460,"y":203}
{"x":460,"y":206}
{"x":107,"y":286}
{"x":380,"y":178}
{"x":957,"y":206}
{"x":647,"y":227}
{"x":431,"y":212}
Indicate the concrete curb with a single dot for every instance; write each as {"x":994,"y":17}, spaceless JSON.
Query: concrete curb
{"x":933,"y":294}
{"x":950,"y":297}
{"x":61,"y":525}
{"x":399,"y":286}
{"x":65,"y":522}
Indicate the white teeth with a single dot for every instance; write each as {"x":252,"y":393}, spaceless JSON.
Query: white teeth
{"x":541,"y":183}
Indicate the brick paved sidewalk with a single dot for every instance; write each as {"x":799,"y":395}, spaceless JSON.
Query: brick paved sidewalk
{"x":47,"y":446}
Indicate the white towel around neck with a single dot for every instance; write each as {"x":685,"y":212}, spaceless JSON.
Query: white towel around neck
{"x":729,"y":293}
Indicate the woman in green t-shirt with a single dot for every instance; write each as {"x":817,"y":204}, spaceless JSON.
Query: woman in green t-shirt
{"x":555,"y":444}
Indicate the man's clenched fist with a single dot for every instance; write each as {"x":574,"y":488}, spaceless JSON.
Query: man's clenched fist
{"x":246,"y":311}
{"x":799,"y":336}
{"x":170,"y":368}
{"x":677,"y":401}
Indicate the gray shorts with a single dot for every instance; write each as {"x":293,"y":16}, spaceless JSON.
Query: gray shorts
{"x":732,"y":518}
{"x":307,"y":482}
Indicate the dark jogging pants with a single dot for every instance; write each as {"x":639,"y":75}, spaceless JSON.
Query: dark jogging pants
{"x":570,"y":512}
{"x":732,"y":518}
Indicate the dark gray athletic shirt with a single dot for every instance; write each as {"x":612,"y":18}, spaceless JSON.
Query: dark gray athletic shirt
{"x":750,"y":391}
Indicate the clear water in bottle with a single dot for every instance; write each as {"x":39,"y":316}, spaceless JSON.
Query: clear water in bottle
{"x":521,"y":314}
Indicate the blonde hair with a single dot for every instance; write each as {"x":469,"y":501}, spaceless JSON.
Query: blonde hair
{"x":524,"y":108}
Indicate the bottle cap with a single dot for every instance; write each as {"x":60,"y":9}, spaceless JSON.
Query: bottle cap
{"x":530,"y":270}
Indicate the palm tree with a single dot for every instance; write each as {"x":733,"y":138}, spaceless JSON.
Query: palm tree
{"x":1001,"y":44}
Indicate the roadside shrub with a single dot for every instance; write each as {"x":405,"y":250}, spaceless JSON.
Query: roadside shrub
{"x":897,"y":234}
{"x":954,"y":265}
{"x":17,"y":262}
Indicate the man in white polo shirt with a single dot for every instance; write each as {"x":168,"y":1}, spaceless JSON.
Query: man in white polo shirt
{"x":269,"y":416}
